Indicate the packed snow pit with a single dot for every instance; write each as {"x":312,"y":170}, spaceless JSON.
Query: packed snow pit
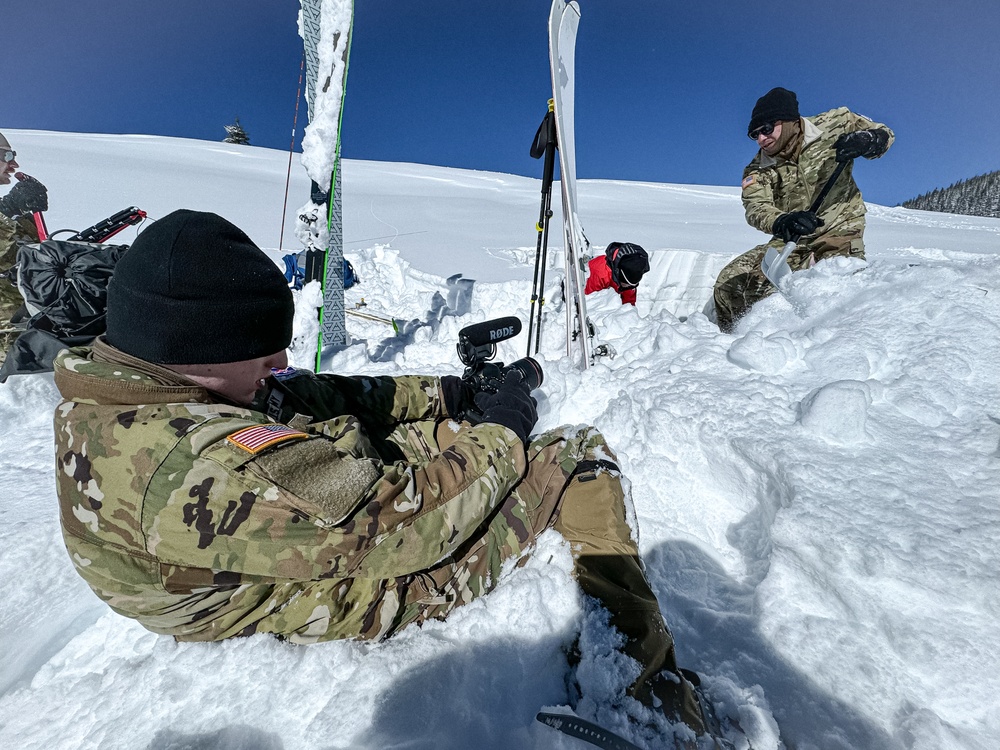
{"x":816,"y":494}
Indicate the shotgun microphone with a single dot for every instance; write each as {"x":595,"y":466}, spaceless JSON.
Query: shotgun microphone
{"x":492,"y":331}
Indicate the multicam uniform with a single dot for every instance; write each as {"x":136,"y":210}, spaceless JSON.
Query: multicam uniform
{"x":11,"y":232}
{"x":774,"y":186}
{"x":345,"y":518}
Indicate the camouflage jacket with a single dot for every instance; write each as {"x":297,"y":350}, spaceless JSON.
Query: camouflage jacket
{"x":773,"y":186}
{"x":204,"y":520}
{"x":12,"y":232}
{"x":7,"y":230}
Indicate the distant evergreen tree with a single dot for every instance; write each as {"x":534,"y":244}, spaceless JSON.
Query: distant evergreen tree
{"x":977,"y":196}
{"x":236,"y":134}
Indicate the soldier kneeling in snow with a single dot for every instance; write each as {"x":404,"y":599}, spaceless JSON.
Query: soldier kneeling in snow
{"x":208,"y":491}
{"x":796,"y":157}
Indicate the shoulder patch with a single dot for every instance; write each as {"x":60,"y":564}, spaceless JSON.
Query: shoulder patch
{"x":259,"y":437}
{"x":286,"y":373}
{"x":749,"y":180}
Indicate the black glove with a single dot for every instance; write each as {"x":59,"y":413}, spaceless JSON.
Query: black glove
{"x":795,"y":224}
{"x":512,"y":406}
{"x":458,"y":396}
{"x":866,"y":143}
{"x":27,"y":196}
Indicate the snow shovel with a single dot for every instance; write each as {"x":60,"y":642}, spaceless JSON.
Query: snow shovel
{"x":775,"y":266}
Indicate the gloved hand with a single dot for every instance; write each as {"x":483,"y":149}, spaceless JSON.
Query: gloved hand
{"x":795,"y":224}
{"x":27,"y":196}
{"x":862,"y":143}
{"x":512,"y":406}
{"x":458,"y":396}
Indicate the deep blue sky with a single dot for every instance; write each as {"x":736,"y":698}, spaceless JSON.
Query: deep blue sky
{"x":664,"y":88}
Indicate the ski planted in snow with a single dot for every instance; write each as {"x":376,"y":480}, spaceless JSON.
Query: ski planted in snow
{"x":326,"y":27}
{"x":564,"y":19}
{"x":587,"y":731}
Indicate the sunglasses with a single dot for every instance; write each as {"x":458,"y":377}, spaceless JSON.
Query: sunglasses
{"x":766,"y":129}
{"x":8,"y":155}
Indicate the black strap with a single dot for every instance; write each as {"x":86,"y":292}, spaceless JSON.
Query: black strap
{"x":584,"y":467}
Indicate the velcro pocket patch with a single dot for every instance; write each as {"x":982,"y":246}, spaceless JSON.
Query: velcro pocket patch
{"x":331,"y":483}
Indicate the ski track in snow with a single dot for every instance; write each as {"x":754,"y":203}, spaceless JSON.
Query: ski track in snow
{"x":817,"y":495}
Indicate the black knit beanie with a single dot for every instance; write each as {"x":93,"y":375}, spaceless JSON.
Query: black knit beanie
{"x":776,"y":105}
{"x":194,"y":289}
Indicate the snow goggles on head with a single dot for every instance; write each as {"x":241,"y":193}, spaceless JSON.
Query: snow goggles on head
{"x":7,"y":155}
{"x":766,"y":129}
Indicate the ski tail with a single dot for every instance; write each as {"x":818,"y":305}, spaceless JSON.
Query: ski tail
{"x":332,"y":327}
{"x":326,"y":27}
{"x":588,"y":731}
{"x":109,"y":227}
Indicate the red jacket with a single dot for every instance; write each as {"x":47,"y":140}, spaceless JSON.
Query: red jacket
{"x":600,"y":278}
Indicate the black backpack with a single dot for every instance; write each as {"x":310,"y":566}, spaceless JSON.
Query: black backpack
{"x":65,"y":289}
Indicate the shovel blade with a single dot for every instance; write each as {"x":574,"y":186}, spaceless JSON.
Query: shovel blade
{"x":775,"y":266}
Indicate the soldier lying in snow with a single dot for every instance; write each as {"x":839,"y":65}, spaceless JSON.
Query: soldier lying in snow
{"x":208,"y":492}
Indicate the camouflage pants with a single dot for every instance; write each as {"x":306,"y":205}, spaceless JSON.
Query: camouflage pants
{"x":741,"y":283}
{"x":566,"y":487}
{"x":10,"y":303}
{"x":571,"y":485}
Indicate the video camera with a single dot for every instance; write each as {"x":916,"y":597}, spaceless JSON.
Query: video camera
{"x":477,"y":345}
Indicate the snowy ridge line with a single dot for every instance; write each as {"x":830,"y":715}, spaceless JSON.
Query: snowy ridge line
{"x":932,"y":218}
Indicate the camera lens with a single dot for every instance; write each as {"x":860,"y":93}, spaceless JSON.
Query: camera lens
{"x":530,"y":371}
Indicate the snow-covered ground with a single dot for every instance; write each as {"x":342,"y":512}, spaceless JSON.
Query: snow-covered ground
{"x":818,"y":495}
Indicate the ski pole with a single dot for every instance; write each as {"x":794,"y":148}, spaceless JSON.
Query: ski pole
{"x":43,"y":231}
{"x":543,"y":145}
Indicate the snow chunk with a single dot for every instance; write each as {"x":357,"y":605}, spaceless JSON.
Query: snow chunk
{"x":838,"y":411}
{"x":768,"y":355}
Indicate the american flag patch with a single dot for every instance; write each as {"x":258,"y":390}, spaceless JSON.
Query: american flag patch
{"x":257,"y":438}
{"x":749,"y":180}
